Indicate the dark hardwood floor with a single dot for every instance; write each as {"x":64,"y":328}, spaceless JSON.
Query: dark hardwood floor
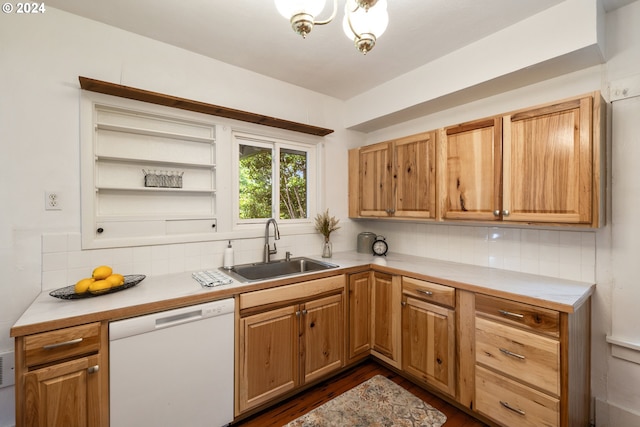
{"x":300,"y":404}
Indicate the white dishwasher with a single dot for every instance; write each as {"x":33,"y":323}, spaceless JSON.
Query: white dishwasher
{"x":173,"y":368}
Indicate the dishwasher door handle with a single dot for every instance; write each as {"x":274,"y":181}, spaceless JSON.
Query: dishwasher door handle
{"x":178,"y":319}
{"x":133,"y":326}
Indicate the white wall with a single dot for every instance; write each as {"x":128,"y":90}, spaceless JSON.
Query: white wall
{"x":42,"y":57}
{"x":40,"y":151}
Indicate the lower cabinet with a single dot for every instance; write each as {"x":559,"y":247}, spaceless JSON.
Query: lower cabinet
{"x":531,"y":364}
{"x":386,"y":334}
{"x":62,"y":378}
{"x":359,"y":338}
{"x":429,"y":334}
{"x":281,"y":348}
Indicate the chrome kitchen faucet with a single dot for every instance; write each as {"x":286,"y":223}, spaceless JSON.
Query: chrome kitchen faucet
{"x":276,"y":236}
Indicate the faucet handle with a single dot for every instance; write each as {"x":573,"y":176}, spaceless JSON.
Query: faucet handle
{"x":287,"y":256}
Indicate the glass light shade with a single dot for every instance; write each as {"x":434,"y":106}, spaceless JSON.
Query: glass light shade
{"x":373,"y":21}
{"x":289,"y":8}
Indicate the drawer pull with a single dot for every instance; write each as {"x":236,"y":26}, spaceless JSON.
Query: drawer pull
{"x":427,"y":293}
{"x":508,"y":313}
{"x":62,"y":344}
{"x":512,"y":354}
{"x":516,"y":410}
{"x":93,"y":369}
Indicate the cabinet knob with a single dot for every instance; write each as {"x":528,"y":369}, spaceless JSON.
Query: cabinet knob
{"x":100,"y":230}
{"x":505,"y":212}
{"x":93,"y":369}
{"x":304,"y":311}
{"x":496,"y":213}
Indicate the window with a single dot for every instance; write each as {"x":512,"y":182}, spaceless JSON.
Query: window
{"x":276,"y":179}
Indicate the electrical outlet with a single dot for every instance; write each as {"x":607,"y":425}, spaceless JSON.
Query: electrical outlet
{"x":52,"y":201}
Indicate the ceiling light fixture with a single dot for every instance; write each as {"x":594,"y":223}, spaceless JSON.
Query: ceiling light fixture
{"x":364,"y":20}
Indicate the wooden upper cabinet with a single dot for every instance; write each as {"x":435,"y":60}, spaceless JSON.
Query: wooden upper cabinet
{"x":535,"y":166}
{"x":470,"y":165}
{"x":376,"y":179}
{"x":394,"y":178}
{"x":548,"y":164}
{"x":414,"y":160}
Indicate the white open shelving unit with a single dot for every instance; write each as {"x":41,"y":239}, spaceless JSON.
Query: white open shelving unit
{"x":123,"y":144}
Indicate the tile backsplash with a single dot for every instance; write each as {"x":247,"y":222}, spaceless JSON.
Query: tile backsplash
{"x":64,"y":262}
{"x":565,"y":254}
{"x":556,"y":253}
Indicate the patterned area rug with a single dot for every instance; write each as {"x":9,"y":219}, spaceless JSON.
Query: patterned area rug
{"x":377,"y":402}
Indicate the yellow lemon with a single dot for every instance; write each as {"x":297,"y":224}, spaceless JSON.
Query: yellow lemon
{"x":115,"y":279}
{"x":99,"y":286}
{"x":82,"y":285}
{"x":102,"y":272}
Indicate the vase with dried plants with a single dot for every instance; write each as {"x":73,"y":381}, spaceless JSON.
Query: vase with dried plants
{"x":325,"y":225}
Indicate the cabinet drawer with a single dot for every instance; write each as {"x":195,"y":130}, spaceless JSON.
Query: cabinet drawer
{"x":428,"y":291}
{"x":528,"y":316}
{"x":283,"y":294}
{"x":61,"y":344}
{"x":514,"y":404}
{"x":532,"y":358}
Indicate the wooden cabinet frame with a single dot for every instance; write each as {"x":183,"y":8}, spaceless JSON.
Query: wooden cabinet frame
{"x":386,"y":318}
{"x":394,"y":178}
{"x":62,"y":376}
{"x":359,"y":304}
{"x":287,"y":337}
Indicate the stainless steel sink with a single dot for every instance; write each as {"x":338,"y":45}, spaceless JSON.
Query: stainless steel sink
{"x":264,"y":271}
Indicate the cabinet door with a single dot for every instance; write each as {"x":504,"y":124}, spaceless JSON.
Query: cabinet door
{"x":470,"y":164}
{"x":359,"y":315}
{"x":64,"y":395}
{"x":268,"y":356}
{"x":322,"y":336}
{"x":548,"y":164}
{"x":414,"y":174}
{"x":429,"y":343}
{"x":385,"y":317}
{"x":375,"y":180}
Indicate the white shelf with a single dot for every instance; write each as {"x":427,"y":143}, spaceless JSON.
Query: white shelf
{"x":158,"y":189}
{"x":151,"y":132}
{"x":155,"y":162}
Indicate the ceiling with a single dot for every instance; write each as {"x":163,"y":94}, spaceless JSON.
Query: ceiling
{"x":251,"y":34}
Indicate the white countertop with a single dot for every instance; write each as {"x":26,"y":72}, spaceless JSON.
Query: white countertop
{"x":554,"y":293}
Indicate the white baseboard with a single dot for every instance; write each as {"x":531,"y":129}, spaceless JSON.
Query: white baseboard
{"x":611,"y":415}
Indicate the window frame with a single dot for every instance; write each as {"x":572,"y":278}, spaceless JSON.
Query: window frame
{"x":276,"y":144}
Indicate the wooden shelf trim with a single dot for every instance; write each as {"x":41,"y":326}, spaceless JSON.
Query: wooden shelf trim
{"x":196,"y":106}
